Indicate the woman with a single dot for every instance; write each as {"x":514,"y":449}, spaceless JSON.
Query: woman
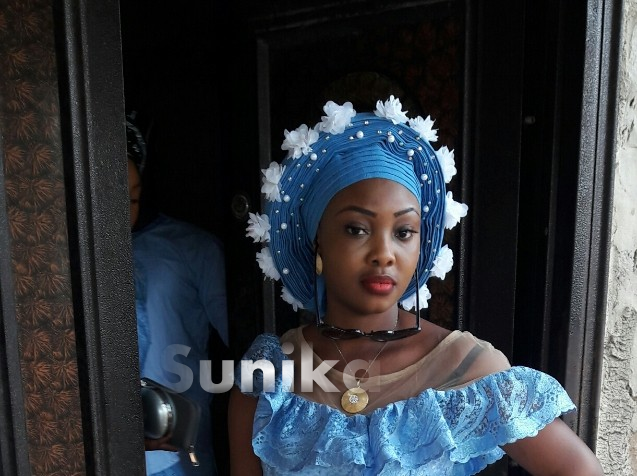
{"x":354,"y":230}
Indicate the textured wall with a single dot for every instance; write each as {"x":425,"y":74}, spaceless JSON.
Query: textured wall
{"x":617,"y":435}
{"x":36,"y":207}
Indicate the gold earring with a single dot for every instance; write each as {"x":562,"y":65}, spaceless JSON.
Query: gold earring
{"x":318,"y":265}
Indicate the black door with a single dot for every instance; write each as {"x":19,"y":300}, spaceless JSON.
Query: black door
{"x":218,"y":84}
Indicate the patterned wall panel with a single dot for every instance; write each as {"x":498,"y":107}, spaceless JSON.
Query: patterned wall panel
{"x":35,"y":197}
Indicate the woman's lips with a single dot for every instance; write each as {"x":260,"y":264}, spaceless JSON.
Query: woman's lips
{"x":379,"y":284}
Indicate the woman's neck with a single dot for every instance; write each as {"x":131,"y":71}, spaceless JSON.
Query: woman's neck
{"x":387,"y":320}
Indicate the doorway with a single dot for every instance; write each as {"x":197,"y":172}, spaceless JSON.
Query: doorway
{"x":492,"y":75}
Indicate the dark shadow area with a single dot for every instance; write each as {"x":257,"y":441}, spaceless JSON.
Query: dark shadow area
{"x":169,"y":53}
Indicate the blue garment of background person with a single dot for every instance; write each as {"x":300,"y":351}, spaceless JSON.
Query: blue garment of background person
{"x":180,"y":295}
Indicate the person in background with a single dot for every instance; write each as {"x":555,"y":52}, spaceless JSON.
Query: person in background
{"x":180,"y":295}
{"x":353,"y":228}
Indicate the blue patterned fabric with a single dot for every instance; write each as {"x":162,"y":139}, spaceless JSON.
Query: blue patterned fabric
{"x":309,"y":182}
{"x":452,"y":432}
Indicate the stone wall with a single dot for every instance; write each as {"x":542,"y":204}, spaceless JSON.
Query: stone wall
{"x":617,"y":433}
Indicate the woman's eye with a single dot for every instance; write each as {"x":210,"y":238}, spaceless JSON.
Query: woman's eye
{"x":356,"y":230}
{"x":405,"y":233}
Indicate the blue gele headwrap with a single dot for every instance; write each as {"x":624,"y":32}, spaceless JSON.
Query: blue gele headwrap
{"x":343,"y":149}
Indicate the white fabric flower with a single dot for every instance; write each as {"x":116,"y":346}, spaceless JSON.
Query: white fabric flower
{"x":443,"y":263}
{"x":424,"y":295}
{"x":266,"y":263}
{"x":424,"y":128}
{"x":337,"y":119}
{"x":271,"y":177}
{"x":448,"y":164}
{"x":258,"y":227}
{"x":299,"y":141}
{"x":454,"y":211}
{"x":287,"y":297}
{"x":392,"y":110}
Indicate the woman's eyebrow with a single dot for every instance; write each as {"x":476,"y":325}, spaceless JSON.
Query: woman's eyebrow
{"x":405,"y":211}
{"x":370,"y":213}
{"x":354,"y":208}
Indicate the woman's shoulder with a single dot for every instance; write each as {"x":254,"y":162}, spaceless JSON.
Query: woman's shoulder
{"x":270,"y":346}
{"x":258,"y":369}
{"x":264,"y":347}
{"x":468,"y":358}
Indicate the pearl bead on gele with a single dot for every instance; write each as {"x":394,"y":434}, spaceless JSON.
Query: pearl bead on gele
{"x":410,"y":153}
{"x":286,"y":198}
{"x":286,"y":271}
{"x":360,"y":134}
{"x":391,"y":138}
{"x":284,"y":226}
{"x":313,"y":156}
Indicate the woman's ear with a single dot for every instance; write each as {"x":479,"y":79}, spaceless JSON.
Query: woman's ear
{"x":318,"y":262}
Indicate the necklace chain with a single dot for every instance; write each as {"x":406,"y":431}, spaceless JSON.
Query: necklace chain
{"x":358,"y":380}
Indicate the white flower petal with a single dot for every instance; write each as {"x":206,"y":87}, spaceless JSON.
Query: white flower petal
{"x":447,"y":163}
{"x":271,"y":177}
{"x":287,"y":297}
{"x":424,"y":295}
{"x":299,"y":141}
{"x":392,"y":110}
{"x":443,"y":263}
{"x":266,"y":263}
{"x":258,"y":227}
{"x":424,"y":128}
{"x":454,"y":211}
{"x":337,"y":118}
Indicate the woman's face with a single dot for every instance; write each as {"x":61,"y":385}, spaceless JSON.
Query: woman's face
{"x":369,"y":241}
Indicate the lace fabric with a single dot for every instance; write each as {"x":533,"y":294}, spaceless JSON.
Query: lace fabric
{"x":455,"y":431}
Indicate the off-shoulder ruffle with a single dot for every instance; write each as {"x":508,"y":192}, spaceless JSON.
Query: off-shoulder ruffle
{"x":451,"y":432}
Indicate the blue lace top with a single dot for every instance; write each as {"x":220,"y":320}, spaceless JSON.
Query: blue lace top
{"x":457,"y":431}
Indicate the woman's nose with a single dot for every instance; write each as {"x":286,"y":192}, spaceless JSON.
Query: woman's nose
{"x":381,"y":253}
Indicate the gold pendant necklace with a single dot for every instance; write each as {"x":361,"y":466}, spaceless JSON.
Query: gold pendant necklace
{"x":355,"y":399}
